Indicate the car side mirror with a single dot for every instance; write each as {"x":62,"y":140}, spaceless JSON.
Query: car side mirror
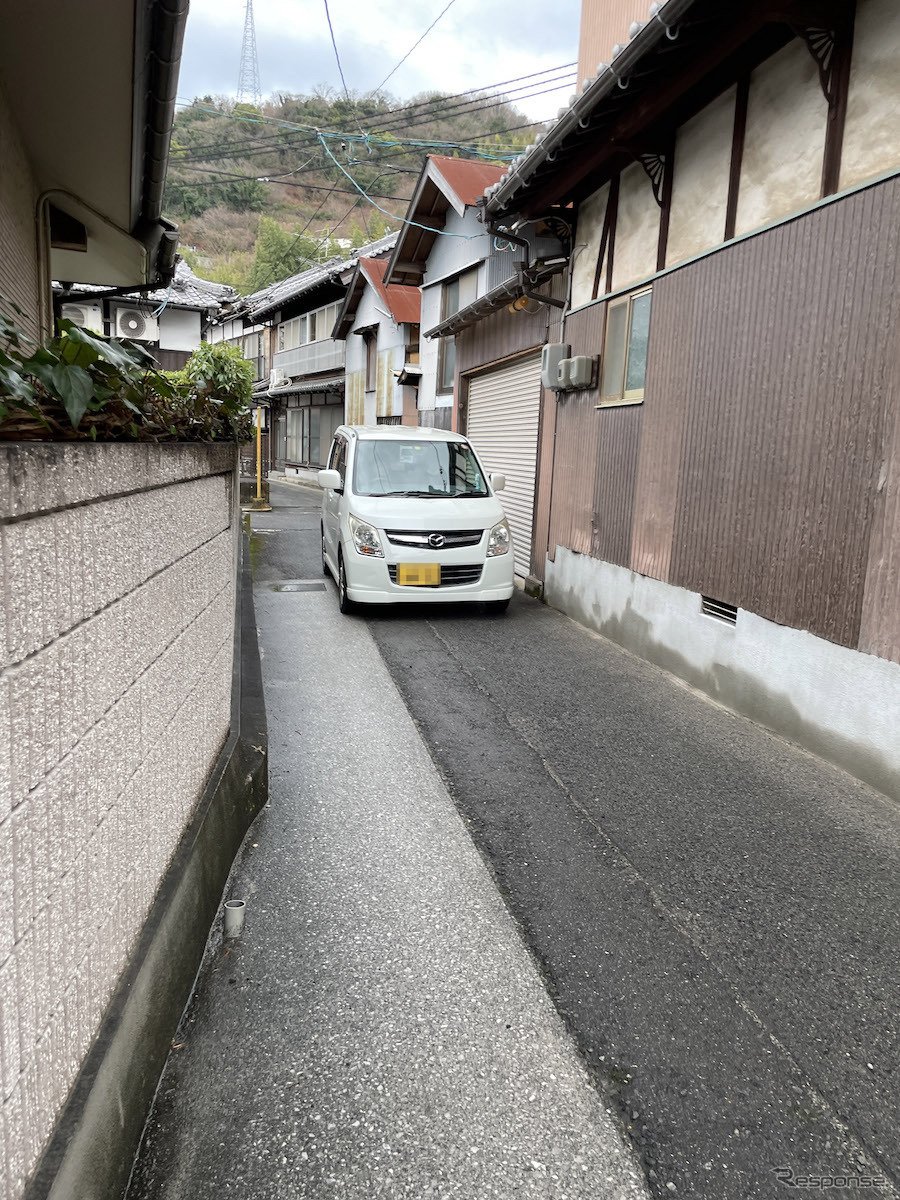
{"x":498,"y":481}
{"x":330,"y":479}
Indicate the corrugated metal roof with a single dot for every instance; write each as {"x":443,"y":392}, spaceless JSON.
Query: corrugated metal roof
{"x":278,"y":294}
{"x":468,"y":177}
{"x":404,"y":303}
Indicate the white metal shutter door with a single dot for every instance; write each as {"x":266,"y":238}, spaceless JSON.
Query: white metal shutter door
{"x":502,"y":423}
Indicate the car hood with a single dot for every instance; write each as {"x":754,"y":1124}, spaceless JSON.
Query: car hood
{"x":418,"y":513}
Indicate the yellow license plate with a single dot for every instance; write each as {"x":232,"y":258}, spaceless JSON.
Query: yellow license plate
{"x":421,"y":574}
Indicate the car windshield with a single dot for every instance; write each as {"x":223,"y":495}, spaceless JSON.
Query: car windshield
{"x":416,"y":468}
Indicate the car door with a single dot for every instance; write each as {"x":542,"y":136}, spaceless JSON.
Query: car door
{"x":331,"y":505}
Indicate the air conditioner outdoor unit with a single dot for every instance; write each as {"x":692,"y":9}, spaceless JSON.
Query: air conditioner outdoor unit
{"x":85,"y":316}
{"x":278,"y":379}
{"x":137,"y":325}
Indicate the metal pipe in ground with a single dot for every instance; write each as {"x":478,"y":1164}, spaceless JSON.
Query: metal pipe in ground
{"x":234,"y":917}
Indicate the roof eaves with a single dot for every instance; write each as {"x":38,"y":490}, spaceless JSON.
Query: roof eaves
{"x":664,"y":17}
{"x":504,"y":293}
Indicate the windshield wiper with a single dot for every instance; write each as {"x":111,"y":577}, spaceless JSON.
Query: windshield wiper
{"x":426,"y":495}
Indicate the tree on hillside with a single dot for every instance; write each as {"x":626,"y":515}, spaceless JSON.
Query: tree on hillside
{"x":280,"y":253}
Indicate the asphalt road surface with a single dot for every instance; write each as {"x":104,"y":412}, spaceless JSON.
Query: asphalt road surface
{"x":713,"y":910}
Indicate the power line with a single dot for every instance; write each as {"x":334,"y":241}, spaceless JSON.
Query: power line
{"x":489,"y":88}
{"x":372,"y":139}
{"x":410,"y":50}
{"x":336,"y":55}
{"x":221,"y":175}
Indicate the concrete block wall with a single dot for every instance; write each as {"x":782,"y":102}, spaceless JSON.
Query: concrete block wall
{"x":116,"y":639}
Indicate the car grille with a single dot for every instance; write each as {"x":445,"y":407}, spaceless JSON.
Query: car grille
{"x":453,"y":538}
{"x":452,"y":576}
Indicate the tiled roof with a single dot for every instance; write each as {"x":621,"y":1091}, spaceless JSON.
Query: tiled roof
{"x":403,"y":303}
{"x":186,"y":290}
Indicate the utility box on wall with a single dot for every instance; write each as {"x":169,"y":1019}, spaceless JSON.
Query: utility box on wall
{"x":551,"y":356}
{"x":577,"y":372}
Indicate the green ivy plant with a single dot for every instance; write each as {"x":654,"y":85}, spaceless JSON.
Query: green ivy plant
{"x":83,"y":385}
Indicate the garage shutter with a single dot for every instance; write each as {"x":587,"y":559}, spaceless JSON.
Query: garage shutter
{"x":502,"y":424}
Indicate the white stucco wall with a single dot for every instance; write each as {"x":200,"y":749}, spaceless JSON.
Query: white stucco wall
{"x":115,"y":699}
{"x":637,"y":228}
{"x":591,"y":215}
{"x":700,"y":183}
{"x":871,"y":144}
{"x":784,"y":145}
{"x":839,"y":703}
{"x":18,"y":242}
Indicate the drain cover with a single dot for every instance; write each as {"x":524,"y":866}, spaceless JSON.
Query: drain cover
{"x":300,"y":587}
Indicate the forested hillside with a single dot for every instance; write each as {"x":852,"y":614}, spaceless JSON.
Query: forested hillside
{"x":261,"y":194}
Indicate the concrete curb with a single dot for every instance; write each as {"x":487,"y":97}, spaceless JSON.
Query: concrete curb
{"x":90,"y":1155}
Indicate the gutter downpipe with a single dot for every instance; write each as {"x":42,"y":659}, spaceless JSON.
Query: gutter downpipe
{"x":166,"y":40}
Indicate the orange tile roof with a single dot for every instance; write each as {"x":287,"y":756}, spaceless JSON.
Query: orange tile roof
{"x":467,"y":177}
{"x":403,"y":302}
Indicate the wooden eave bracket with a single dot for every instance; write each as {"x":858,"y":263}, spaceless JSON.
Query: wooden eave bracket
{"x":821,"y":44}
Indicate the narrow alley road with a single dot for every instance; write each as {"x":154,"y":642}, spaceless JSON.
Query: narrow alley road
{"x":713,"y":912}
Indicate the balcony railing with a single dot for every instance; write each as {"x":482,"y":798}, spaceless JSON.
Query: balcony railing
{"x":327,"y":355}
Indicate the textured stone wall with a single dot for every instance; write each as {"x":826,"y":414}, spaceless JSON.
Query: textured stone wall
{"x":116,"y":637}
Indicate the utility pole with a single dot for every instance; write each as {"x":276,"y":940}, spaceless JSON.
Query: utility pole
{"x":248,"y":89}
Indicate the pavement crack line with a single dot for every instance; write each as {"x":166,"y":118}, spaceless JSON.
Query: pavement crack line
{"x":815,"y":1092}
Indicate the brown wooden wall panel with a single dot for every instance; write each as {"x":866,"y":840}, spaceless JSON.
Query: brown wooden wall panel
{"x":880,"y":626}
{"x":543,"y":489}
{"x":786,"y":344}
{"x":498,"y":336}
{"x":595,"y":464}
{"x":666,"y":398}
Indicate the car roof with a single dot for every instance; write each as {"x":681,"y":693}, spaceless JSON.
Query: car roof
{"x":405,"y":432}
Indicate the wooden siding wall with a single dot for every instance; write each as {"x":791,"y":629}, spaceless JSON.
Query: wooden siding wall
{"x":596,"y":465}
{"x":764,"y":467}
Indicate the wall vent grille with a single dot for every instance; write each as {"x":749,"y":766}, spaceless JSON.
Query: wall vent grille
{"x":718,"y":609}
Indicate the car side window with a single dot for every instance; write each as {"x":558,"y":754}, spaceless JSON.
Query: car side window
{"x":334,"y":454}
{"x":340,"y":462}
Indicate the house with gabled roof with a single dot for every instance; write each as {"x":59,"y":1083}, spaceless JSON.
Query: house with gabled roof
{"x":442,"y":248}
{"x":380,"y":324}
{"x":490,"y":297}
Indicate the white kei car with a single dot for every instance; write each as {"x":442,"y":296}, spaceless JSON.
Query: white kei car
{"x":409,"y":515}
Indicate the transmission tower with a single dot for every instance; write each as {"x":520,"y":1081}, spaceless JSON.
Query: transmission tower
{"x":248,"y":90}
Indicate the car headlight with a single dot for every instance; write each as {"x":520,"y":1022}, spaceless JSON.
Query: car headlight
{"x":498,"y":540}
{"x":365,"y":538}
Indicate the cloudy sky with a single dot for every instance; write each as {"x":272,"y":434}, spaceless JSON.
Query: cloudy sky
{"x":476,"y":43}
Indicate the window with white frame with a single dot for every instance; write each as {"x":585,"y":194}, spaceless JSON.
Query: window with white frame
{"x":456,"y":294}
{"x":624,"y":363}
{"x":315,"y":326}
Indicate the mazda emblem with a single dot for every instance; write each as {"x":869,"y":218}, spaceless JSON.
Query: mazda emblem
{"x":435,"y":540}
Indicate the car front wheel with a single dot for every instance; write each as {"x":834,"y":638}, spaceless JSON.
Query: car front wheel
{"x":346,"y":604}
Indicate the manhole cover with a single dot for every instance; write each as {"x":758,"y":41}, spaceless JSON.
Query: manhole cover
{"x":300,"y":587}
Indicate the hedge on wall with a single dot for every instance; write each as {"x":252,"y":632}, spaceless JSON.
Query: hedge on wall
{"x":83,"y":386}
